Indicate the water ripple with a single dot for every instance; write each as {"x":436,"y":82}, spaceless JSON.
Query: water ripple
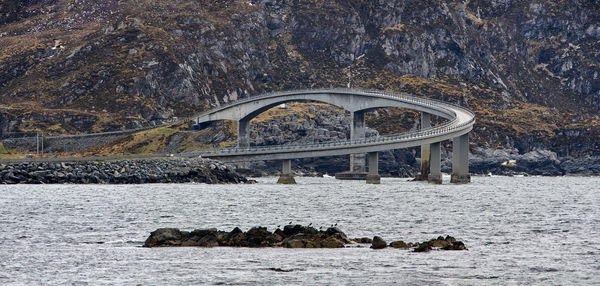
{"x":518,"y":230}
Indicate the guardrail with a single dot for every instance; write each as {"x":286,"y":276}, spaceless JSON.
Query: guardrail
{"x":445,"y":107}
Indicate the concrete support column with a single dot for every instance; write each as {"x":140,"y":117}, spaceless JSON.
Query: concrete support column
{"x":286,"y":173}
{"x":460,"y":160}
{"x":243,"y":133}
{"x":373,"y":175}
{"x":357,"y":131}
{"x":435,"y":170}
{"x":425,"y":150}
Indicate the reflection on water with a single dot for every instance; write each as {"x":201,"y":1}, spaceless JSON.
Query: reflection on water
{"x":518,"y":230}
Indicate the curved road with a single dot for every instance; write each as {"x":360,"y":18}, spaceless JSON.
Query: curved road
{"x":460,"y":122}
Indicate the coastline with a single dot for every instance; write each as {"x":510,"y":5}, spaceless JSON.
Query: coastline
{"x":123,"y":171}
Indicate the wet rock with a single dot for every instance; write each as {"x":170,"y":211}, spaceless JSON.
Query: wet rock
{"x":208,"y":241}
{"x":164,"y":237}
{"x":442,"y":243}
{"x":399,"y":244}
{"x":294,"y":243}
{"x":293,"y":236}
{"x":364,"y":240}
{"x":423,"y":248}
{"x":332,"y":242}
{"x":378,"y":243}
{"x":458,"y":245}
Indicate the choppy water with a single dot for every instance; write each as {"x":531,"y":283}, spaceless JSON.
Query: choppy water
{"x":518,"y":230}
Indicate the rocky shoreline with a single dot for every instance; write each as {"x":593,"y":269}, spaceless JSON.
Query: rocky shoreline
{"x":291,"y":236}
{"x":501,"y":162}
{"x":172,"y":170}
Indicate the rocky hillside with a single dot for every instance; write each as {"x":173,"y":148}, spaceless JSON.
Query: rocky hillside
{"x":529,"y":69}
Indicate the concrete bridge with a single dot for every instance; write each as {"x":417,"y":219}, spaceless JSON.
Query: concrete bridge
{"x":457,"y":127}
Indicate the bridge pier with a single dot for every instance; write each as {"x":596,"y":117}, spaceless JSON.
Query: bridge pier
{"x":373,"y":174}
{"x":425,"y":150}
{"x":286,"y":177}
{"x":357,"y":131}
{"x":243,"y":133}
{"x":357,"y":161}
{"x":435,"y":170}
{"x":460,"y":160}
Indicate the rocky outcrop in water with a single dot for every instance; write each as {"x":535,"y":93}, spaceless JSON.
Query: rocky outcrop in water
{"x":120,"y":172}
{"x":292,"y":236}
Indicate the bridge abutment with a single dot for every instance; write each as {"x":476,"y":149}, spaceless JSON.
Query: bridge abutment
{"x":243,"y":133}
{"x":373,"y":174}
{"x":425,"y":150}
{"x":460,"y":160}
{"x":435,"y":170}
{"x":286,"y":177}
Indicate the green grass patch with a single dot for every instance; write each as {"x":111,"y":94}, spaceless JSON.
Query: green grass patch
{"x":3,"y":150}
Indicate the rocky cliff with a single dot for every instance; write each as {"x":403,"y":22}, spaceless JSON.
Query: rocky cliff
{"x":529,"y":69}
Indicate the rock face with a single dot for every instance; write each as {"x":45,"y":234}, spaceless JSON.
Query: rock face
{"x":120,"y":172}
{"x":292,"y":236}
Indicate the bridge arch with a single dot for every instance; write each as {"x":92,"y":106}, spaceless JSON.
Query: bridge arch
{"x":350,"y":100}
{"x":460,"y":123}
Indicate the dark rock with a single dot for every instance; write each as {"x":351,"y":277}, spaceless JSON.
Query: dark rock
{"x":457,"y":245}
{"x":208,"y":241}
{"x":334,"y":230}
{"x":399,"y":244}
{"x":203,"y":232}
{"x":164,"y":237}
{"x":290,"y":230}
{"x":378,"y":243}
{"x":332,"y":242}
{"x":424,"y":247}
{"x":363,"y":240}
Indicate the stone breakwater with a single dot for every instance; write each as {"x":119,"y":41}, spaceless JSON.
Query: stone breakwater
{"x":172,"y":170}
{"x":292,"y":236}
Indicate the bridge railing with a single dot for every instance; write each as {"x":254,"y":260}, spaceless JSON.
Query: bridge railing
{"x":349,"y":143}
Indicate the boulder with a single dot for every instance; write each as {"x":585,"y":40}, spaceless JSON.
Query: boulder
{"x":164,"y":237}
{"x":378,"y":243}
{"x":399,"y":244}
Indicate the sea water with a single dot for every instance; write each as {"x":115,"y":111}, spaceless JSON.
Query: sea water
{"x":519,"y":230}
